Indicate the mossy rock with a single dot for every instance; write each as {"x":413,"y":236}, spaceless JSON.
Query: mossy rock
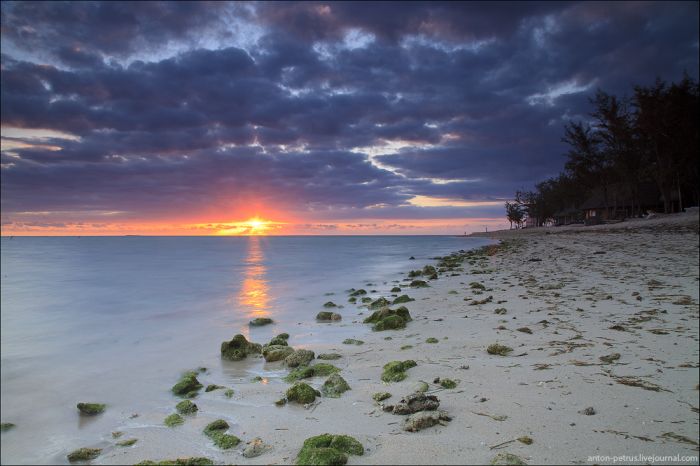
{"x":330,"y":304}
{"x":198,"y":461}
{"x":366,"y":300}
{"x":173,"y":420}
{"x":328,"y":449}
{"x":507,"y":459}
{"x":405,"y":347}
{"x":379,"y":303}
{"x":448,"y":383}
{"x":501,"y":311}
{"x":381,"y":396}
{"x":334,"y":386}
{"x":352,"y":300}
{"x":396,"y":289}
{"x":429,"y":270}
{"x":217,"y":432}
{"x":212,"y":387}
{"x":305,"y":372}
{"x":84,"y":454}
{"x":419,"y":284}
{"x":299,"y":357}
{"x":404,"y":298}
{"x":414,"y":273}
{"x":359,"y":292}
{"x":276,"y":352}
{"x":127,"y":443}
{"x":5,"y":426}
{"x":395,"y":371}
{"x":91,"y":409}
{"x":477,"y":286}
{"x":390,"y":323}
{"x":186,"y":407}
{"x":279,"y":340}
{"x":301,"y":393}
{"x":500,"y":350}
{"x":260,"y":321}
{"x":328,"y":316}
{"x":228,"y":393}
{"x":239,"y":348}
{"x":329,"y":356}
{"x":432,"y":340}
{"x":187,"y":384}
{"x":352,"y":341}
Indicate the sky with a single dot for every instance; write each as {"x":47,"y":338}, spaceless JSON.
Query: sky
{"x":178,"y":118}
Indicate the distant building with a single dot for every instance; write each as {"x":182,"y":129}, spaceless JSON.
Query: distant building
{"x":621,"y":203}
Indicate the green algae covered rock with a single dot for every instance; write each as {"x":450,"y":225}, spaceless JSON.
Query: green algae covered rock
{"x":173,"y":420}
{"x":186,"y":407}
{"x":329,"y":356}
{"x":352,"y":341}
{"x":91,"y":409}
{"x":187,"y":384}
{"x":301,"y":393}
{"x":276,"y":352}
{"x":448,"y":383}
{"x":260,"y":321}
{"x":395,"y":371}
{"x":396,"y":289}
{"x":198,"y":461}
{"x":84,"y":454}
{"x":381,"y":396}
{"x":389,"y":323}
{"x":239,"y":348}
{"x":359,"y":292}
{"x":5,"y":426}
{"x":429,"y":270}
{"x":431,"y":340}
{"x":379,"y":303}
{"x":305,"y":372}
{"x":279,"y":340}
{"x":330,"y":304}
{"x":212,"y":387}
{"x":334,"y":386}
{"x":328,"y":316}
{"x":299,"y":357}
{"x":404,"y":298}
{"x":217,"y":432}
{"x":328,"y":449}
{"x":127,"y":443}
{"x":419,"y":284}
{"x":500,"y":350}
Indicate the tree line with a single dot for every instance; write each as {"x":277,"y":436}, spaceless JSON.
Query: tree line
{"x":650,"y":137}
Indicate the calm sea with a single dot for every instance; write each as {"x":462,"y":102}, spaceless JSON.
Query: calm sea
{"x":115,"y":319}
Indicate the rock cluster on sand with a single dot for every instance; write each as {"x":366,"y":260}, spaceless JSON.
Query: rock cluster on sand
{"x":389,"y":319}
{"x":328,"y":449}
{"x":328,"y":316}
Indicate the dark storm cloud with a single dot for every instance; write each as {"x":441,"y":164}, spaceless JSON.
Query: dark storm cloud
{"x":477,"y":92}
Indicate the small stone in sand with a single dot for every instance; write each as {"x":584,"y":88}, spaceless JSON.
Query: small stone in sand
{"x":424,"y":419}
{"x":213,"y":387}
{"x":590,"y":411}
{"x":255,"y":448}
{"x":448,"y":383}
{"x":5,"y":426}
{"x":431,"y":340}
{"x":127,"y":443}
{"x":186,"y":407}
{"x":381,"y":396}
{"x":525,"y":330}
{"x":507,"y":459}
{"x":352,"y":341}
{"x":228,"y":393}
{"x":329,"y":356}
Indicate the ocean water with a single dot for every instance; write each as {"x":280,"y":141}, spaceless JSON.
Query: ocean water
{"x":116,"y":319}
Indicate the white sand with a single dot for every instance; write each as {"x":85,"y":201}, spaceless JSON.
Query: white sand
{"x":597,"y":291}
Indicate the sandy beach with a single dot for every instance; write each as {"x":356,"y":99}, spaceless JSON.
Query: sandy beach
{"x":603,"y":327}
{"x":571,"y":296}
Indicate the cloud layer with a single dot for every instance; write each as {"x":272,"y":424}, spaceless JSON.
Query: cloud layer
{"x":325,"y":111}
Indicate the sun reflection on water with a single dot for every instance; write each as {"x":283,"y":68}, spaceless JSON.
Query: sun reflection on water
{"x":253,"y":297}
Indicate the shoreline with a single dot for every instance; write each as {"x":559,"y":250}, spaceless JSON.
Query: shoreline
{"x":644,"y":282}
